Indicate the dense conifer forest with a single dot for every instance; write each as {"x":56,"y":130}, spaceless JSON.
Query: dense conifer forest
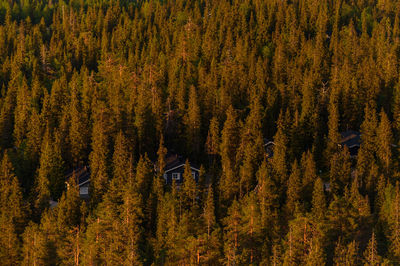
{"x":255,"y":93}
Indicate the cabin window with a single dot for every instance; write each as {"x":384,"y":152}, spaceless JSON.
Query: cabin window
{"x":194,"y":174}
{"x":84,"y":190}
{"x":176,"y":176}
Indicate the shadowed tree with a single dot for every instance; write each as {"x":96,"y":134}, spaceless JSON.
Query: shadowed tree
{"x":228,"y":147}
{"x":11,"y":214}
{"x":384,"y":143}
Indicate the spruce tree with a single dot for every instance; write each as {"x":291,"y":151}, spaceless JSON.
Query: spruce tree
{"x":130,"y":227}
{"x":346,"y":254}
{"x":34,"y":249}
{"x":193,"y":123}
{"x":11,"y":214}
{"x":79,"y":129}
{"x":51,"y":168}
{"x":268,"y":199}
{"x":99,"y":167}
{"x":396,"y":111}
{"x":251,"y":151}
{"x":69,"y":225}
{"x":384,"y":143}
{"x":251,"y":230}
{"x":293,"y":195}
{"x":189,"y":189}
{"x":371,"y":256}
{"x":22,"y":113}
{"x":368,"y":131}
{"x":315,"y":255}
{"x":228,"y":147}
{"x":209,"y":211}
{"x":333,"y":127}
{"x":279,"y":160}
{"x":394,"y":223}
{"x":34,"y":138}
{"x":340,"y":171}
{"x":232,"y":238}
{"x":309,"y":171}
{"x":144,"y":176}
{"x":161,"y":156}
{"x":318,"y":200}
{"x":7,"y":117}
{"x":121,"y":159}
{"x":213,"y":139}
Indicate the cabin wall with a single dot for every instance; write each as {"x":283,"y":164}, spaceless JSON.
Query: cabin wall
{"x":180,"y":171}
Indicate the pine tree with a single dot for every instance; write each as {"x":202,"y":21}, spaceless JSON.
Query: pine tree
{"x":251,"y":151}
{"x":79,"y":129}
{"x":394,"y":223}
{"x":316,"y":254}
{"x":275,"y":258}
{"x":213,"y":139}
{"x":209,"y":241}
{"x":209,"y":211}
{"x":309,"y":171}
{"x":11,"y":214}
{"x":99,"y":162}
{"x":232,"y":240}
{"x":346,"y":255}
{"x":51,"y":168}
{"x":34,"y":250}
{"x":130,"y":227}
{"x":396,"y":111}
{"x":342,"y":219}
{"x":6,"y":116}
{"x":368,"y":130}
{"x":251,"y":230}
{"x":167,"y":227}
{"x":340,"y":171}
{"x":279,"y":160}
{"x":189,"y":189}
{"x":298,"y":240}
{"x":193,"y":123}
{"x":22,"y":113}
{"x":293,"y":195}
{"x":162,"y":153}
{"x":34,"y":137}
{"x":318,"y":200}
{"x":229,"y":144}
{"x":121,"y":159}
{"x":144,"y":176}
{"x":333,"y":127}
{"x":142,"y":121}
{"x":371,"y":256}
{"x":69,"y":225}
{"x":268,"y":199}
{"x":384,"y":142}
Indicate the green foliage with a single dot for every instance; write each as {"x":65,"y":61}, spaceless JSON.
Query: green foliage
{"x":120,"y":86}
{"x":11,"y":213}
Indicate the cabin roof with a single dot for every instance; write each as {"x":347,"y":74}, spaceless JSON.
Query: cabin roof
{"x":268,"y":142}
{"x":175,"y":161}
{"x":350,"y":138}
{"x":82,"y":175}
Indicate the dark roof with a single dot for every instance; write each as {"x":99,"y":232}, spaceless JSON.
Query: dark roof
{"x":268,"y":142}
{"x":175,"y":160}
{"x":82,"y":174}
{"x":350,"y":138}
{"x":269,"y":148}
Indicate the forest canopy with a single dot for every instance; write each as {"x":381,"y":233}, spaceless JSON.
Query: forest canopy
{"x":285,"y":115}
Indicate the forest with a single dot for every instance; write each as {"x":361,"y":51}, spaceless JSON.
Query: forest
{"x":118,"y":86}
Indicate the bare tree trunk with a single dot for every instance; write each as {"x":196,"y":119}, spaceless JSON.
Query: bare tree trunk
{"x":251,"y":233}
{"x":77,"y":247}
